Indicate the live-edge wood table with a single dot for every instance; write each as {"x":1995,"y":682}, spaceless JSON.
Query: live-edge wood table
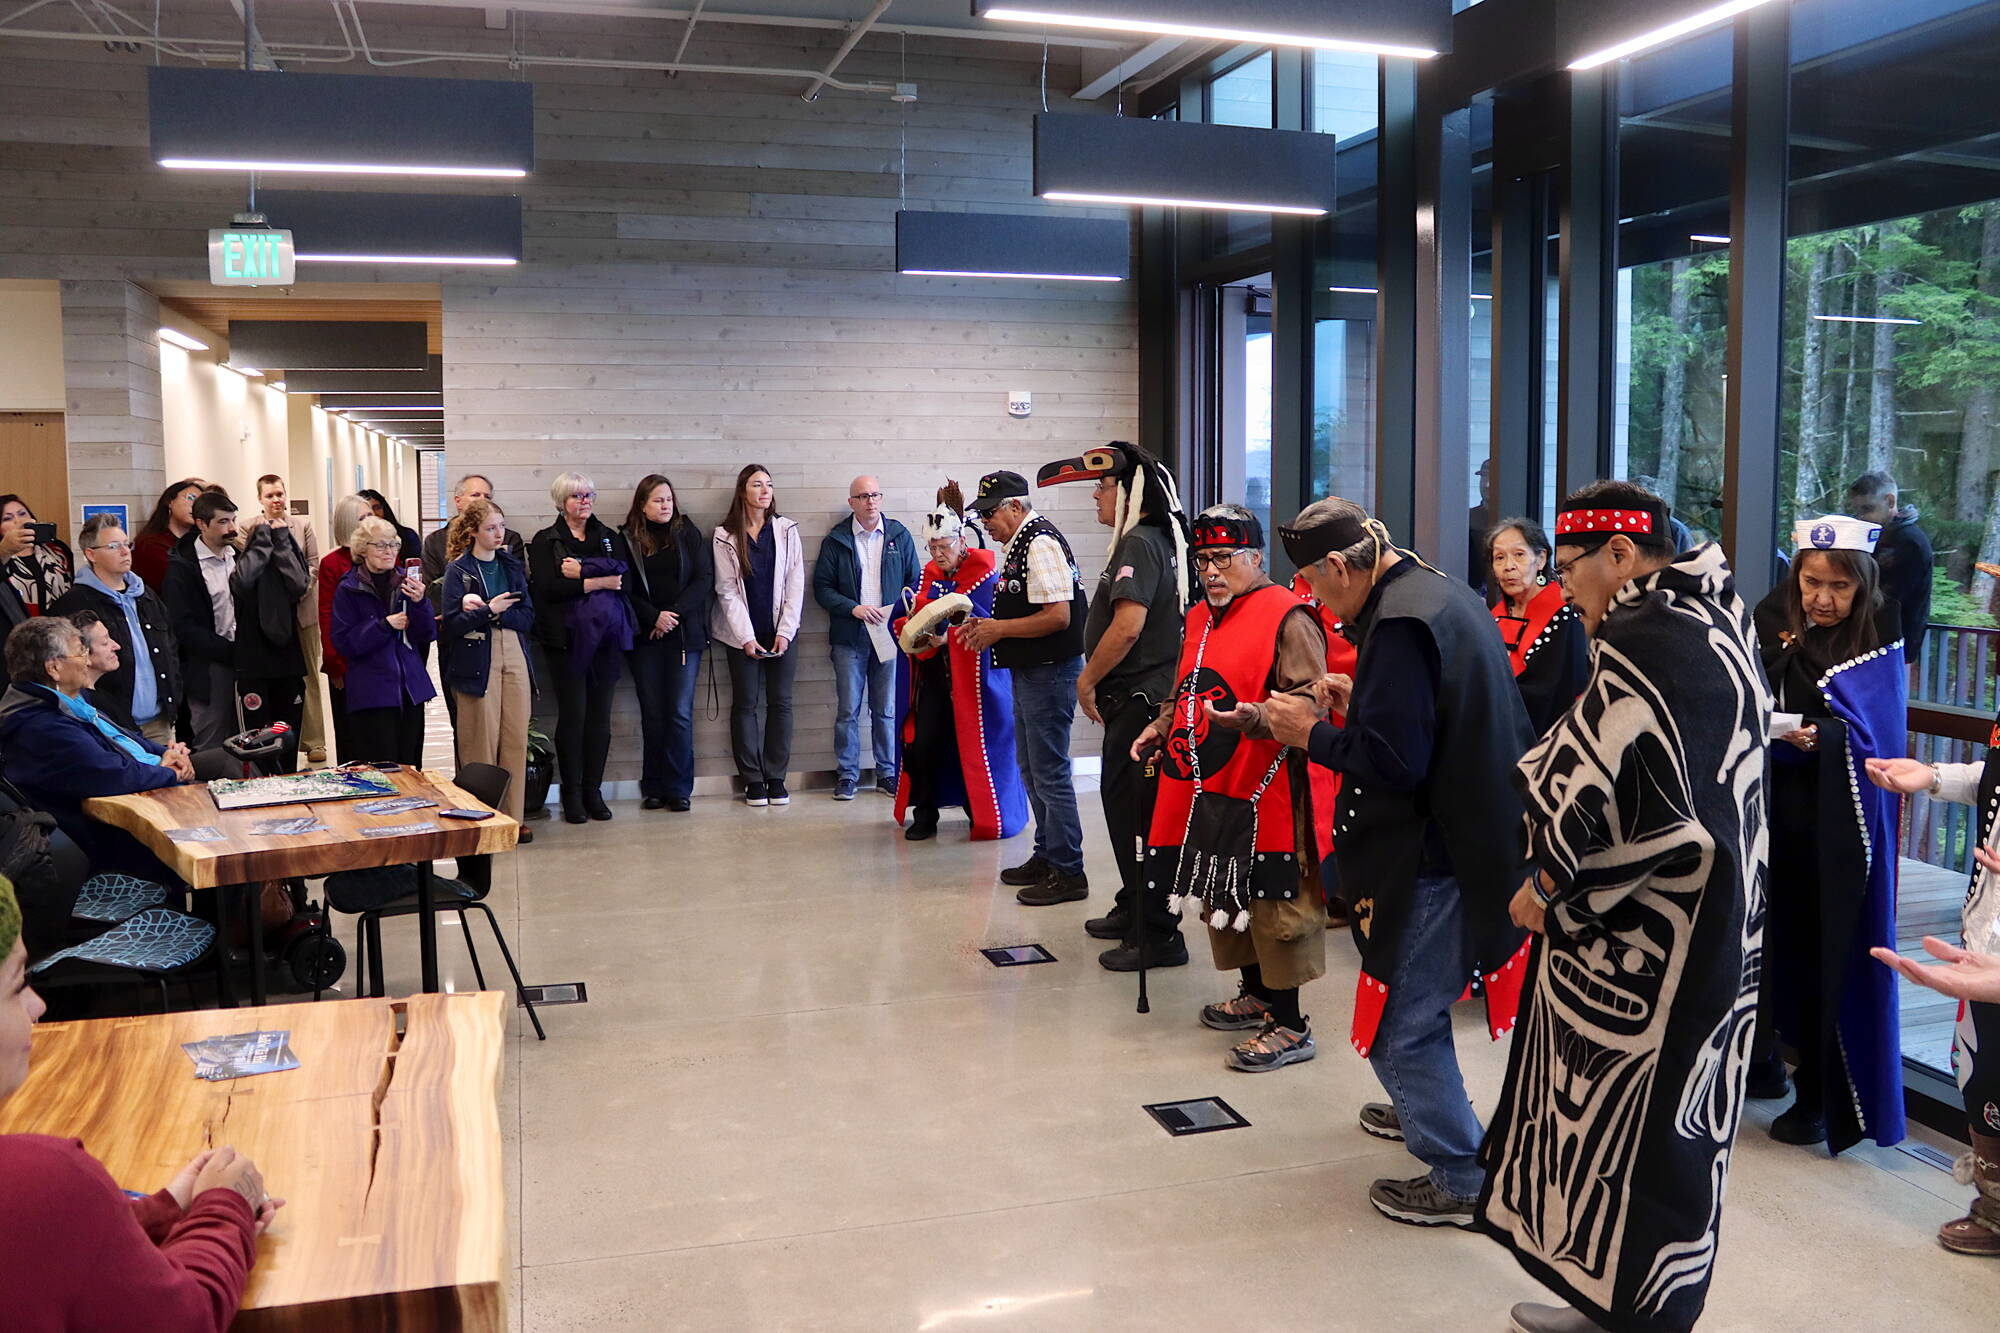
{"x":385,"y":1143}
{"x":243,"y":857}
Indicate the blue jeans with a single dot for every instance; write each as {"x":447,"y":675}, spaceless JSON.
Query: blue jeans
{"x":860,"y":677}
{"x":1044,"y":707}
{"x":666,"y":686}
{"x":1413,"y":1053}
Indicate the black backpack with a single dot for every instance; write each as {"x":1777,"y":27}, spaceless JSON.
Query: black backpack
{"x":46,"y":869}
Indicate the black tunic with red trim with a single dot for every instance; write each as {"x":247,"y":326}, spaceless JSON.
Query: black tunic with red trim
{"x":1227,"y":658}
{"x":1550,"y":653}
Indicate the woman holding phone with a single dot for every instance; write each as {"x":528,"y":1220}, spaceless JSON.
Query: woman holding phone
{"x":760,"y":580}
{"x":40,"y":567}
{"x":382,"y":623}
{"x":487,"y":615}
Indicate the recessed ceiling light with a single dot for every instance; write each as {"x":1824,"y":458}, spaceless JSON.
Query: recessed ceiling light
{"x":181,"y":340}
{"x":1223,"y":32}
{"x":331,"y":168}
{"x":494,"y":260}
{"x":248,"y":372}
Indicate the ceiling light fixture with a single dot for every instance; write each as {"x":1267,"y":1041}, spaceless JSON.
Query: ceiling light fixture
{"x":1356,"y":291}
{"x":181,"y":340}
{"x":279,"y":385}
{"x":989,"y":273}
{"x":1701,"y":238}
{"x":332,"y":168}
{"x":1412,"y":29}
{"x":1183,"y":164}
{"x":1645,"y":41}
{"x":1865,"y":319}
{"x":384,"y":407}
{"x":1033,"y":246}
{"x":496,"y":260}
{"x":247,"y":372}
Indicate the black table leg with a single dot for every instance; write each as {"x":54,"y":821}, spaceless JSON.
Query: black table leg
{"x":253,"y":899}
{"x":225,"y":982}
{"x":427,"y":935}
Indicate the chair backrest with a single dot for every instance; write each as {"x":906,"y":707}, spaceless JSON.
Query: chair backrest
{"x":487,"y":782}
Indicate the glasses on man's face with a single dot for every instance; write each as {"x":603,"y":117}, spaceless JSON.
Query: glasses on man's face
{"x":1215,"y":559}
{"x":1561,"y":572}
{"x":866,"y":495}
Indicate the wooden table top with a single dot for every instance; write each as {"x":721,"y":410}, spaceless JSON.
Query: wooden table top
{"x":385,"y":1143}
{"x":243,"y":857}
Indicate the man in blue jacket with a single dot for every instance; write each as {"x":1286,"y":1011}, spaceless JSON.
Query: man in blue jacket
{"x":59,"y":751}
{"x":864,"y":565}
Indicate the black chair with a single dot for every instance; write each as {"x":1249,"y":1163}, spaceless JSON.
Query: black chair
{"x":391,"y":892}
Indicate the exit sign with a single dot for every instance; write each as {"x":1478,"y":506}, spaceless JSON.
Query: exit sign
{"x":250,"y":257}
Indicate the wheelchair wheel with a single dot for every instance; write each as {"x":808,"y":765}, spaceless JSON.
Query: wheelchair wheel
{"x":317,"y":960}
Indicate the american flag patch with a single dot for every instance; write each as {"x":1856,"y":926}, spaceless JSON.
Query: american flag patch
{"x":1124,"y":572}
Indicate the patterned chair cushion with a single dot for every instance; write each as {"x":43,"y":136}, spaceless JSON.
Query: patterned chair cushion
{"x":156,"y":940}
{"x":113,"y":898}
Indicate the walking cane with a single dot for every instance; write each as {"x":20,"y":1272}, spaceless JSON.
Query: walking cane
{"x":1149,"y":774}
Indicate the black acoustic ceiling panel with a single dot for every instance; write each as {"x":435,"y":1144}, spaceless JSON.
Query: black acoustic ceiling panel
{"x":328,"y":345}
{"x":1122,"y":159}
{"x":236,"y":120}
{"x":1011,"y":245}
{"x":377,"y":402}
{"x":1415,"y":28}
{"x":428,"y":380}
{"x":330,"y":226}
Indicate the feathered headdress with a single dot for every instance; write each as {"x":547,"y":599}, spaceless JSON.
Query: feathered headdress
{"x":947,"y":522}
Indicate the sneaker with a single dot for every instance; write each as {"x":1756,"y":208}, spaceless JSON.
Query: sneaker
{"x":1159,"y":953}
{"x":1381,"y":1120}
{"x":776,"y":791}
{"x":887,"y":786}
{"x":1111,"y":926}
{"x":1057,"y":888}
{"x":1245,"y":1011}
{"x":843,"y":790}
{"x":1031,"y":871}
{"x":1420,"y":1203}
{"x":1273,"y":1048}
{"x":754,"y":794}
{"x":1530,"y":1318}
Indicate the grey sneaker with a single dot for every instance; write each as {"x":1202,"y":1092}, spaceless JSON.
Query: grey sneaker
{"x":1273,"y":1048}
{"x":1420,"y":1203}
{"x":1245,"y":1011}
{"x":1380,"y":1119}
{"x":1530,"y":1318}
{"x":843,"y":790}
{"x":887,"y":786}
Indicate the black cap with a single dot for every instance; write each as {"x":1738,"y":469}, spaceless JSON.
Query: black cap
{"x":996,"y":489}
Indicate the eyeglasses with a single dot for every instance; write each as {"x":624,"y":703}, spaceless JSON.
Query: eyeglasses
{"x":583,"y":495}
{"x":382,"y":546}
{"x":1215,"y":559}
{"x":866,"y":495}
{"x":1561,"y":572}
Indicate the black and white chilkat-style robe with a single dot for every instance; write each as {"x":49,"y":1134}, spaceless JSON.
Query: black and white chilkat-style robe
{"x":1646,"y":806}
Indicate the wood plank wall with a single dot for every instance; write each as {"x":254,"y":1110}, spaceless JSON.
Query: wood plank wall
{"x":708,"y":278}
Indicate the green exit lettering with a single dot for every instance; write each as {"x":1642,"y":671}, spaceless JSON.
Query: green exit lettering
{"x":250,"y":254}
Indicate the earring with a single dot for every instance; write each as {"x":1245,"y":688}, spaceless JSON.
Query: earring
{"x":1541,"y":579}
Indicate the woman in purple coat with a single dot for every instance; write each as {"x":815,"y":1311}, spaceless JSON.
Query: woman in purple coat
{"x":382,"y":626}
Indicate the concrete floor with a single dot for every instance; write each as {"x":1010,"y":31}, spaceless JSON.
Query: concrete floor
{"x":799,"y":1099}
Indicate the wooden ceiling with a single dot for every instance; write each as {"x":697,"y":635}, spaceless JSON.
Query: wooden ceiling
{"x":213,"y":307}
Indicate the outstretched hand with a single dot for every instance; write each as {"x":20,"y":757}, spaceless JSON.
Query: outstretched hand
{"x":1960,"y":973}
{"x":1904,"y":776}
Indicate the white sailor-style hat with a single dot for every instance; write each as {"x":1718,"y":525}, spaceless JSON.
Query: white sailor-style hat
{"x":1836,"y":532}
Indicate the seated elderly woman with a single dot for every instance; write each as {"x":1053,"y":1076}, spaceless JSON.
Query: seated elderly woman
{"x":83,"y":1256}
{"x":59,"y":751}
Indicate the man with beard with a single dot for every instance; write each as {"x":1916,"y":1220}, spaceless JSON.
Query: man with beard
{"x":1646,"y":820}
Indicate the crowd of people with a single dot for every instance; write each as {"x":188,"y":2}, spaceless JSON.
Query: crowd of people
{"x":1649,"y":828}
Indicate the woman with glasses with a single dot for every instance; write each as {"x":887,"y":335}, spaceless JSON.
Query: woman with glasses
{"x":410,"y":546}
{"x":1545,"y":638}
{"x":172,"y":519}
{"x":333,"y":567}
{"x":579,"y":570}
{"x":1832,"y":648}
{"x":760,"y":582}
{"x":382,"y":625}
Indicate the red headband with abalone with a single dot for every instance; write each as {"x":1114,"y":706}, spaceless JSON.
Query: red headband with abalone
{"x":1578,"y":522}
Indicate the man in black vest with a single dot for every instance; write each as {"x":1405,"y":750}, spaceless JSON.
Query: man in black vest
{"x":1427,"y":833}
{"x":1037,"y":634}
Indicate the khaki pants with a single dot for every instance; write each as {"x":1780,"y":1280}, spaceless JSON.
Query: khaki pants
{"x":493,"y":727}
{"x":1286,"y":940}
{"x":160,"y":731}
{"x":313,"y":732}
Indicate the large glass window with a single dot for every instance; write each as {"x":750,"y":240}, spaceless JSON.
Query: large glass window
{"x":1344,"y":93}
{"x":1342,"y":461}
{"x":1243,"y":96}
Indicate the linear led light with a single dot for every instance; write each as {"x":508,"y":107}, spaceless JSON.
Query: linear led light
{"x":181,"y":340}
{"x":1216,"y":32}
{"x":387,"y":407}
{"x":987,"y":273}
{"x":501,"y":260}
{"x":331,"y":168}
{"x":1370,"y":291}
{"x":1865,"y":319}
{"x":279,"y":385}
{"x":1661,"y":36}
{"x":247,"y":372}
{"x":1232,"y":206}
{"x":1703,"y":238}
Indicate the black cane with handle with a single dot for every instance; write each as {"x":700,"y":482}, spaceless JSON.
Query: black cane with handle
{"x":1149,"y":777}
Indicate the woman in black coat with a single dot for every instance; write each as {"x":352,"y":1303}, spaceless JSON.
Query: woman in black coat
{"x":579,"y":572}
{"x":672,"y":581}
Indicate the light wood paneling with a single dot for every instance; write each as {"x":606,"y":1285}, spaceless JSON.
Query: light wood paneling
{"x":38,"y":466}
